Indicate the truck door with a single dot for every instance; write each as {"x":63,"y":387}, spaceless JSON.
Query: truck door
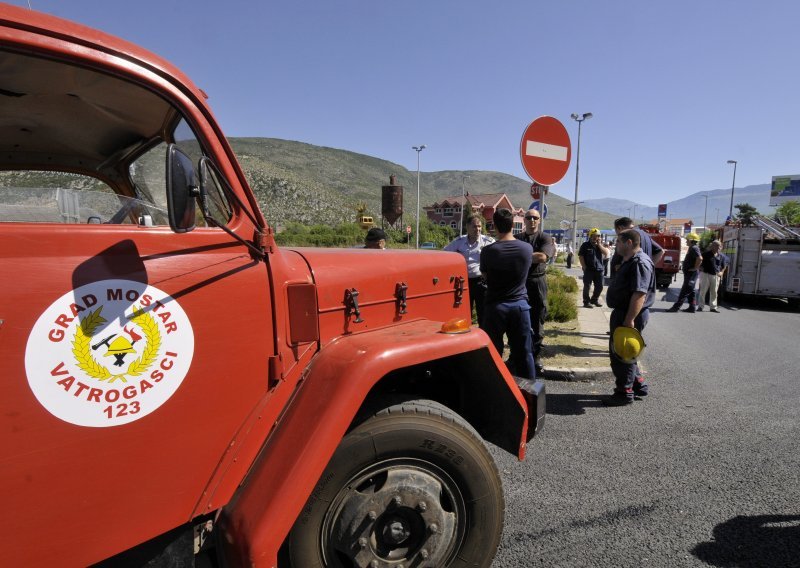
{"x":130,"y":355}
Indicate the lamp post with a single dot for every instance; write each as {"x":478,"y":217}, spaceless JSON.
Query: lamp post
{"x":705,"y":210}
{"x":717,"y":210}
{"x":463,"y":204}
{"x":418,"y":149}
{"x":730,"y":211}
{"x":579,"y":119}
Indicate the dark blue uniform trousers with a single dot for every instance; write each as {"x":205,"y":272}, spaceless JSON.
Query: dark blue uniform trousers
{"x":592,"y":277}
{"x":688,"y":289}
{"x":513,"y":319}
{"x":629,"y":380}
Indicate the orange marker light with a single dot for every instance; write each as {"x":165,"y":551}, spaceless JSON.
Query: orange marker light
{"x":457,"y":325}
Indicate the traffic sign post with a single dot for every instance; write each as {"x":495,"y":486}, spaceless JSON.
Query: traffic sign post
{"x":545,"y":150}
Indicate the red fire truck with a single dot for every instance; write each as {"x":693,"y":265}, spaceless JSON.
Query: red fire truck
{"x":670,"y":264}
{"x":173,"y":380}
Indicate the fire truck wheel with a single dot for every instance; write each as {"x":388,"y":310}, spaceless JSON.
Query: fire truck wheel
{"x":414,"y":484}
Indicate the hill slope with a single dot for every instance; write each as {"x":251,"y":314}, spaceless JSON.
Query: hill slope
{"x":304,"y":183}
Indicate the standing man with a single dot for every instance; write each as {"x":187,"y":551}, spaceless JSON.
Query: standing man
{"x":570,"y":253}
{"x":470,"y":246}
{"x":536,"y":284}
{"x":711,"y":268}
{"x":591,"y":255}
{"x":505,"y":265}
{"x":631,"y":293}
{"x":690,"y":267}
{"x":648,"y":246}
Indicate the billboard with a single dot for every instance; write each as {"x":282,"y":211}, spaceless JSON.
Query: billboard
{"x":784,"y":188}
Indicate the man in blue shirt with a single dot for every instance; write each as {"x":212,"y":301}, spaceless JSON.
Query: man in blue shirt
{"x":505,"y":264}
{"x":591,"y":255}
{"x":648,"y":245}
{"x":631,"y":293}
{"x":470,"y":246}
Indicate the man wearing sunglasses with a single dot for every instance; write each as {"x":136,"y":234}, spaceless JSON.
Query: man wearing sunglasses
{"x":536,"y":283}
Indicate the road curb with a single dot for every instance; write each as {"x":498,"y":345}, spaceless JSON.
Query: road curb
{"x":578,"y":374}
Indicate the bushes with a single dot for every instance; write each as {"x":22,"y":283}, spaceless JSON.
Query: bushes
{"x":561,"y":290}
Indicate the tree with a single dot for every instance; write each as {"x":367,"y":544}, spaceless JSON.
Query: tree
{"x":746,"y":213}
{"x":788,"y":213}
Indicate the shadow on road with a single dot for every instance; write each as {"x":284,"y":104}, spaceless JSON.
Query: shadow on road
{"x":572,"y":404}
{"x":762,"y":541}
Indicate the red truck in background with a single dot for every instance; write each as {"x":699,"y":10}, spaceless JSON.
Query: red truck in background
{"x":670,"y":263}
{"x":173,"y":380}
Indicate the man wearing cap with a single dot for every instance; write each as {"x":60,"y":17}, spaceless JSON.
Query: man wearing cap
{"x":630,"y":294}
{"x":691,"y":270}
{"x":375,"y":239}
{"x":543,"y":249}
{"x":591,"y":255}
{"x":469,"y":246}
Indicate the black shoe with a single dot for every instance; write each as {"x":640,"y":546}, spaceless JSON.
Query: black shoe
{"x":615,"y":400}
{"x":539,"y":370}
{"x":639,"y":395}
{"x":715,"y":310}
{"x":587,"y":305}
{"x":674,"y":308}
{"x":690,"y":310}
{"x":597,"y":303}
{"x":700,"y":308}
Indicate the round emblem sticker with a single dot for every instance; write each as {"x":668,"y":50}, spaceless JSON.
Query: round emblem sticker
{"x":109,"y":353}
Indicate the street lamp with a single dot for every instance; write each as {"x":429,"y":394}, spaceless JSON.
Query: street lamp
{"x":705,"y":210}
{"x":579,"y":120}
{"x":730,"y":211}
{"x":418,"y":149}
{"x":463,"y":204}
{"x":717,"y":210}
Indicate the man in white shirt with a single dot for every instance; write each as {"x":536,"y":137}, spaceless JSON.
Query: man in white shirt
{"x":469,"y":246}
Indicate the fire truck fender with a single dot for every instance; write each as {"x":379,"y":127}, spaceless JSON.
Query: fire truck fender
{"x":335,"y":386}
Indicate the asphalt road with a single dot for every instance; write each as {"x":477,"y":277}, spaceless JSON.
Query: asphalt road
{"x":704,"y":472}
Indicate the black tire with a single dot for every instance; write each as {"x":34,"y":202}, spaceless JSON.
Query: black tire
{"x":413,"y":485}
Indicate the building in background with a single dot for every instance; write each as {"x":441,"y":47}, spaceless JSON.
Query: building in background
{"x":448,"y":211}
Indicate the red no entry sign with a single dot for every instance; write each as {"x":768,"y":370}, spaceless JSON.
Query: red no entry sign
{"x":545,"y":150}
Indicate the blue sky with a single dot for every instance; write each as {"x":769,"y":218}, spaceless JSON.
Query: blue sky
{"x":676,"y":88}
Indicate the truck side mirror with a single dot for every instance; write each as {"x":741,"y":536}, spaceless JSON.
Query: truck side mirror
{"x":182,"y":189}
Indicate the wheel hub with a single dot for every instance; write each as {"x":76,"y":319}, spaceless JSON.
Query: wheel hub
{"x":394,"y":516}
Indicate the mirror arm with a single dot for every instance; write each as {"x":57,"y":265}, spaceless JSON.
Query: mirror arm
{"x":257,"y":251}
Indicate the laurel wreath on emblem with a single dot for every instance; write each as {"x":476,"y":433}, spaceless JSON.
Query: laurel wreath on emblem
{"x":86,"y":361}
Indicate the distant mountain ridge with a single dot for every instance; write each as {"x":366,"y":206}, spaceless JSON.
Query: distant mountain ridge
{"x":692,"y":206}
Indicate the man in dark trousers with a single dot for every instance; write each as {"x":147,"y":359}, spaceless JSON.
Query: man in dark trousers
{"x":648,"y":245}
{"x":536,"y":284}
{"x":630,"y":294}
{"x":591,"y":255}
{"x":505,"y":264}
{"x":691,"y":271}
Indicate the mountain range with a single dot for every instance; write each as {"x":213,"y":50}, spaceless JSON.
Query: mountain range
{"x":304,"y":183}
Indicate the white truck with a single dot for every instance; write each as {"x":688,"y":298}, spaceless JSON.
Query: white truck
{"x":764,"y":260}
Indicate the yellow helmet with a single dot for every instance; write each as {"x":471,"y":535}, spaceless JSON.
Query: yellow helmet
{"x":119,"y":346}
{"x":693,"y":237}
{"x":594,"y":231}
{"x":628,"y":344}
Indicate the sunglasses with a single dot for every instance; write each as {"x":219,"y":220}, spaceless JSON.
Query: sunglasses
{"x":531,"y":217}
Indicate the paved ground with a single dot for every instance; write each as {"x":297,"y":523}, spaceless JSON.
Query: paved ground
{"x":704,"y":472}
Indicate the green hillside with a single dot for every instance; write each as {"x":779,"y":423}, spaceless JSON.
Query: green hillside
{"x":313,"y":184}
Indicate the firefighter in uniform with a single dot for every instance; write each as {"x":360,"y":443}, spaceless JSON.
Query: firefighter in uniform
{"x":691,"y":270}
{"x":630,"y":294}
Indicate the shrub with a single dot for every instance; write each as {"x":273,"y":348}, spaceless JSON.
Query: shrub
{"x":561,"y":290}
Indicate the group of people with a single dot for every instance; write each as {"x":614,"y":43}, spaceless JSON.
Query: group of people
{"x":507,"y":284}
{"x":708,"y":267}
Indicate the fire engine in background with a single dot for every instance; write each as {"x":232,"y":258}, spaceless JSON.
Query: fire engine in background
{"x":670,"y":263}
{"x":170,"y":375}
{"x":764,"y":260}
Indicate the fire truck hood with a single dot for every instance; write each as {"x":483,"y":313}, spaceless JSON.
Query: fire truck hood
{"x":363,"y":289}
